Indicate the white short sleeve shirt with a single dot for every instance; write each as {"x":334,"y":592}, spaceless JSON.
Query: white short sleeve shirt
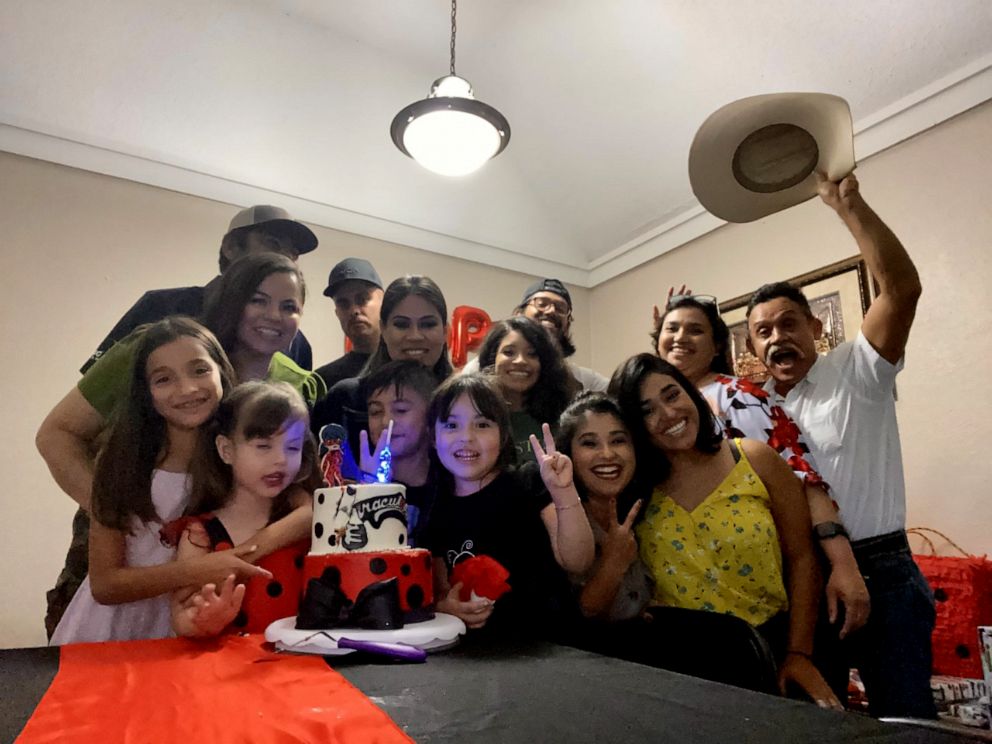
{"x":846,"y":408}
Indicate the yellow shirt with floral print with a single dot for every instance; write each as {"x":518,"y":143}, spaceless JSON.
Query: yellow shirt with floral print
{"x":723,"y":556}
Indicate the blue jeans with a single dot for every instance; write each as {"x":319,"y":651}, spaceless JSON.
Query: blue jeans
{"x":892,"y":651}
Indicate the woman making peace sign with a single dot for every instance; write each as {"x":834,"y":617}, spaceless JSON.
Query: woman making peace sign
{"x":594,"y":436}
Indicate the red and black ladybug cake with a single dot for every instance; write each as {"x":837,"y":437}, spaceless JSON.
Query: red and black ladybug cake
{"x":359,"y":571}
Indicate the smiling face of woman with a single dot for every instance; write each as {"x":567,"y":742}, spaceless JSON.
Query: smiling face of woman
{"x":603,"y":455}
{"x":670,"y":416}
{"x":415,"y":330}
{"x":517,"y":364}
{"x":271,"y":318}
{"x":686,"y":342}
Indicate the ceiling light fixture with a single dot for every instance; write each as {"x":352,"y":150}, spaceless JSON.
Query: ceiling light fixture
{"x":450,"y":132}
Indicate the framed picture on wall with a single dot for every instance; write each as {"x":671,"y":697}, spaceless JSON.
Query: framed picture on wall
{"x":839,"y":295}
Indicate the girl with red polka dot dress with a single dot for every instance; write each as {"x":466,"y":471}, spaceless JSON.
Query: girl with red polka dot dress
{"x":256,"y":462}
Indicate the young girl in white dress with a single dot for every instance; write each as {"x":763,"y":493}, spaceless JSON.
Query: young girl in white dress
{"x":140,"y":483}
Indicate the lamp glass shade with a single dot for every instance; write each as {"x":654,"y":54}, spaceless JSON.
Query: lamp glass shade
{"x":450,"y":133}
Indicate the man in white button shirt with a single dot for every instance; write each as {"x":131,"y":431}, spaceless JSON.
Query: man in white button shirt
{"x":844,"y":404}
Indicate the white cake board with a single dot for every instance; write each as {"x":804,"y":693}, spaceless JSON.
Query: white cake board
{"x":431,"y":635}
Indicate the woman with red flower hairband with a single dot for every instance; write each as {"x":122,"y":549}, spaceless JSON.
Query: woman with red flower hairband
{"x":692,"y":337}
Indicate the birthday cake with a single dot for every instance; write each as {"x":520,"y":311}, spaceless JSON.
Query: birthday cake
{"x":360,"y":571}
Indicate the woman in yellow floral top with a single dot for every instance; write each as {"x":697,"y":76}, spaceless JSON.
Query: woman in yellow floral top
{"x":727,"y":527}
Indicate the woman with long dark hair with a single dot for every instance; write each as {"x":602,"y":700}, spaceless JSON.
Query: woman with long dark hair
{"x":726,"y":529}
{"x":531,"y":374}
{"x":254,"y":310}
{"x":413,"y":321}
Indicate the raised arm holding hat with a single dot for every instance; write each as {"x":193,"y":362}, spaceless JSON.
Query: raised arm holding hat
{"x":844,"y":403}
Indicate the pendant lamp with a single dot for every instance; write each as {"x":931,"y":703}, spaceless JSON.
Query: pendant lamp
{"x":450,"y":132}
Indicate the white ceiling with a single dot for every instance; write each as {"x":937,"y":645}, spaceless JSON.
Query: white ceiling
{"x":290,"y":101}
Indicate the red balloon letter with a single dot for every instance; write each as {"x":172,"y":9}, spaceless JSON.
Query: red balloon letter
{"x":469,"y":326}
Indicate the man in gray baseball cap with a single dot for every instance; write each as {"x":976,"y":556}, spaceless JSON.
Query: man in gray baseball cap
{"x":259,"y":229}
{"x":356,"y":289}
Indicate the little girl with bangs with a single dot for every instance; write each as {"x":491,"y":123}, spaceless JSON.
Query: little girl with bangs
{"x":256,"y":463}
{"x":488,"y":507}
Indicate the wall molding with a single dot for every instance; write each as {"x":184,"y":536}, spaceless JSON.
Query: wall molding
{"x":925,"y":108}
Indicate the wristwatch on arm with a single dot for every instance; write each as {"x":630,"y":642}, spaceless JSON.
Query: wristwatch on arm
{"x":828,"y":530}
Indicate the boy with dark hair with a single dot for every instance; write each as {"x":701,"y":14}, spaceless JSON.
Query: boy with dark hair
{"x":400,"y":392}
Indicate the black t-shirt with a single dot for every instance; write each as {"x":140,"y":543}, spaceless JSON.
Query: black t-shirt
{"x":161,"y":303}
{"x":341,"y":369}
{"x":420,"y":502}
{"x":503,"y":521}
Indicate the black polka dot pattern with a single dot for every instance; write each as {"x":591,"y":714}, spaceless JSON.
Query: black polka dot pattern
{"x":318,"y":530}
{"x":332,"y":540}
{"x":377,"y":566}
{"x":298,"y":562}
{"x":320,"y":498}
{"x":405,"y":569}
{"x":415,"y":596}
{"x":402,"y":540}
{"x":274,"y":589}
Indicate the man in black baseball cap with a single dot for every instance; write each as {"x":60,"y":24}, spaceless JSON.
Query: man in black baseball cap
{"x":548,"y":302}
{"x":259,"y":229}
{"x":356,"y":289}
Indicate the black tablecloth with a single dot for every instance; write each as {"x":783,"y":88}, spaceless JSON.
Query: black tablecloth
{"x":538,"y":693}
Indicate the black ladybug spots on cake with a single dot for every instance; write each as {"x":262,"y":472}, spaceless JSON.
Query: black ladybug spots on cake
{"x":332,"y":540}
{"x":377,"y":566}
{"x":318,"y":530}
{"x":415,"y":596}
{"x":320,"y":497}
{"x":298,"y":562}
{"x":402,"y":539}
{"x":274,"y":589}
{"x":351,"y":490}
{"x":405,"y":569}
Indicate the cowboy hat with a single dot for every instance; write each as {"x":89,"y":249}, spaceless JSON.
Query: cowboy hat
{"x":758,"y":155}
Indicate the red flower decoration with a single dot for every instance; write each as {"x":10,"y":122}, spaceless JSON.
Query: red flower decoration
{"x":482,"y":575}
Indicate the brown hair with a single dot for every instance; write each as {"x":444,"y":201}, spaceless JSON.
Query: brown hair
{"x":253,"y":410}
{"x":137,"y":438}
{"x":481,"y":389}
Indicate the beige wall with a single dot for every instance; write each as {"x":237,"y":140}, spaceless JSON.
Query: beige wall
{"x":78,"y":250}
{"x":935,"y":191}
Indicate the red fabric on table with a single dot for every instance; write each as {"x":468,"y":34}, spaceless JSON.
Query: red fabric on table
{"x":222,"y":691}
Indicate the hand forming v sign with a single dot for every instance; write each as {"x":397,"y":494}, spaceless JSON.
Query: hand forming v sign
{"x":369,"y":461}
{"x":620,"y":545}
{"x":684,"y":290}
{"x":556,"y":468}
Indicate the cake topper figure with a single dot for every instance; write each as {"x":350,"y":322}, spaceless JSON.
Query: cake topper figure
{"x":331,"y":453}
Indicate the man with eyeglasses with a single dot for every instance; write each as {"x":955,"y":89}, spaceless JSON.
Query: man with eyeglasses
{"x":844,"y":403}
{"x":356,"y":289}
{"x":258,"y":229}
{"x":548,"y":302}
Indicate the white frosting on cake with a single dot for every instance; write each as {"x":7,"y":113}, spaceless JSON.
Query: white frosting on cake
{"x":358,"y":518}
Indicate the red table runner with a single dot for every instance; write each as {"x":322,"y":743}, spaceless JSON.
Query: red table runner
{"x":226,"y":690}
